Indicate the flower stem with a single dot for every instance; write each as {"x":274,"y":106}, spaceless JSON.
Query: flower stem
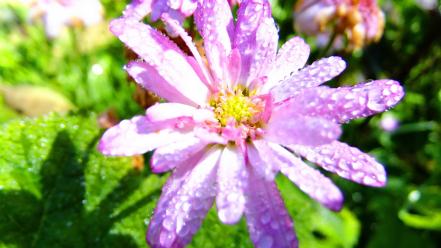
{"x":328,"y":46}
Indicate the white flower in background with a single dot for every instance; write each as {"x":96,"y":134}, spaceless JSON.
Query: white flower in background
{"x":57,"y":14}
{"x":427,"y":4}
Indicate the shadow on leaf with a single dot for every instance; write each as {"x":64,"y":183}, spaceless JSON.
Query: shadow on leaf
{"x":59,"y":218}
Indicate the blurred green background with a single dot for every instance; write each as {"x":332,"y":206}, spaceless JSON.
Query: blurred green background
{"x":56,"y":190}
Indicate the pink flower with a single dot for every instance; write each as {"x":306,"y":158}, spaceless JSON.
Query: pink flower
{"x":177,"y":9}
{"x":59,"y":13}
{"x":361,"y":21}
{"x":230,"y":125}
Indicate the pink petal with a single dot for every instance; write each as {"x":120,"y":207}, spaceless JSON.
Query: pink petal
{"x":136,"y":136}
{"x":174,"y":112}
{"x":214,"y":21}
{"x":178,"y":9}
{"x":166,"y":111}
{"x":169,"y":191}
{"x":268,"y":221}
{"x":168,"y":157}
{"x":196,"y":61}
{"x":148,"y":77}
{"x":231,"y":179}
{"x":160,"y":7}
{"x":174,"y":4}
{"x":164,"y":58}
{"x":209,"y":136}
{"x":186,"y":199}
{"x":313,"y":75}
{"x":308,"y":179}
{"x":188,"y":7}
{"x":138,"y":9}
{"x":259,"y":156}
{"x":290,"y":58}
{"x":234,"y":67}
{"x":256,"y":38}
{"x":297,"y":129}
{"x":265,"y":49}
{"x":348,"y":162}
{"x":345,"y":103}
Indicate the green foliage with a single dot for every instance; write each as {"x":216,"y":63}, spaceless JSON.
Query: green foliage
{"x":57,"y":190}
{"x":315,"y":225}
{"x":79,"y":64}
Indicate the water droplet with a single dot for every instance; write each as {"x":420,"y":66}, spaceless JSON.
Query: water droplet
{"x":274,"y":225}
{"x":265,"y":219}
{"x":414,"y":196}
{"x":265,"y":242}
{"x":168,"y":223}
{"x":166,"y":239}
{"x":147,"y":221}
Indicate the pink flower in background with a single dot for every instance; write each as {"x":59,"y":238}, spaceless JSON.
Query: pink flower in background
{"x":57,"y":14}
{"x":389,"y":122}
{"x":176,"y":9}
{"x":361,"y":21}
{"x":230,"y":125}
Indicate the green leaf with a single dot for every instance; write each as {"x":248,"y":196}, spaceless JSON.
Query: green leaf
{"x":57,"y":190}
{"x":423,"y":208}
{"x":315,"y":225}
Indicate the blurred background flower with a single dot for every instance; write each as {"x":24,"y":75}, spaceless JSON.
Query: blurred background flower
{"x":57,"y":14}
{"x":358,"y":21}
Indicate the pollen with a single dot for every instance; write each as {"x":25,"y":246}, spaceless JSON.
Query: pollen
{"x":237,"y":105}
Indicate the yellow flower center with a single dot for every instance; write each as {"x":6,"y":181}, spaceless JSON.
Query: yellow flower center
{"x":237,"y":105}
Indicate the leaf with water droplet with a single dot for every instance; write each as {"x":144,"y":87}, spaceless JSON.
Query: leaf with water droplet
{"x":423,"y":209}
{"x":64,"y":192}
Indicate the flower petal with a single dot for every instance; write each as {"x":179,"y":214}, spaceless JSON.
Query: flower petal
{"x":345,"y":103}
{"x":313,"y":75}
{"x":136,"y":136}
{"x":167,"y":111}
{"x":234,"y":67}
{"x":308,"y":179}
{"x":256,"y":38}
{"x":265,"y":49}
{"x":303,"y":130}
{"x":269,"y":224}
{"x":168,"y":157}
{"x":260,"y":159}
{"x":188,"y":7}
{"x":348,"y":162}
{"x":138,"y":9}
{"x":186,"y":199}
{"x":231,"y":178}
{"x":166,"y":61}
{"x":214,"y":21}
{"x":290,"y":58}
{"x":148,"y":77}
